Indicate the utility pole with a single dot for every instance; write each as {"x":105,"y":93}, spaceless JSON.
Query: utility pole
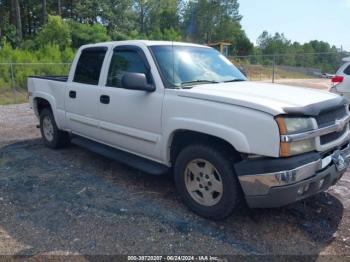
{"x":273,"y":68}
{"x":341,"y":50}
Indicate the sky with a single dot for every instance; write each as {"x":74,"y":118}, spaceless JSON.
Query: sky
{"x":299,"y":20}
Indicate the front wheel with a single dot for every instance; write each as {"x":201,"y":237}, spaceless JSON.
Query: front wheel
{"x":52,"y":136}
{"x":206,"y":181}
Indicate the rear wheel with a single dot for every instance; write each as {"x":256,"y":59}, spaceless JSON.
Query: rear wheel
{"x":206,"y":181}
{"x":52,"y":136}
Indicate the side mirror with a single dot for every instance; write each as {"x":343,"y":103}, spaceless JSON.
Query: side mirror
{"x":136,"y":81}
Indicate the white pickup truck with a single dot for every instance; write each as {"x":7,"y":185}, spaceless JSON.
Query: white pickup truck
{"x":185,"y":108}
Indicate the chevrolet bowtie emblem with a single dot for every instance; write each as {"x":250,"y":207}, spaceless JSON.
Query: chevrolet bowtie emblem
{"x":340,"y":125}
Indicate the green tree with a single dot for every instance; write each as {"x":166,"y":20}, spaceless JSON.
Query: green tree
{"x":204,"y":18}
{"x":306,"y":57}
{"x":170,"y":34}
{"x":277,"y":44}
{"x":8,"y":35}
{"x":118,"y":26}
{"x":207,"y":21}
{"x":275,"y":48}
{"x":55,"y":32}
{"x":86,"y":34}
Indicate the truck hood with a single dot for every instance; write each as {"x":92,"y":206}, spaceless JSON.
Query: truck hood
{"x":271,"y":98}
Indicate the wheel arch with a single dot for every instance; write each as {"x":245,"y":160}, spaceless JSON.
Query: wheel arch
{"x":177,"y":125}
{"x":41,"y":101}
{"x":180,"y":138}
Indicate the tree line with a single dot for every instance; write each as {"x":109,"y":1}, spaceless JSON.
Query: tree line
{"x":67,"y":24}
{"x":201,"y":21}
{"x":282,"y":51}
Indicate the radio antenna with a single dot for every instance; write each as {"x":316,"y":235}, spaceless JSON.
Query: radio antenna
{"x":172,"y":52}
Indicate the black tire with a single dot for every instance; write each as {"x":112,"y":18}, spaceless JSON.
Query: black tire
{"x":59,"y":138}
{"x":232,"y":196}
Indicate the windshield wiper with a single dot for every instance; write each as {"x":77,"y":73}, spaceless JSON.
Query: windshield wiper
{"x":189,"y":83}
{"x":234,"y":80}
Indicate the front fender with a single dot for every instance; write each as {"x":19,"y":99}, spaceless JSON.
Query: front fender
{"x":232,"y":136}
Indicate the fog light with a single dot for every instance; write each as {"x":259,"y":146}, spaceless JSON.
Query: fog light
{"x":301,"y":190}
{"x":320,"y":184}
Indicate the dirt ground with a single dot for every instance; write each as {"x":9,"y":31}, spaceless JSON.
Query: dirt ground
{"x":72,"y":201}
{"x":318,"y":83}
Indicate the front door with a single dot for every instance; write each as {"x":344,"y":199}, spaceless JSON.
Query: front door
{"x":130,"y":119}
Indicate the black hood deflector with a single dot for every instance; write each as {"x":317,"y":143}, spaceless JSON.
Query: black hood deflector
{"x":317,"y":108}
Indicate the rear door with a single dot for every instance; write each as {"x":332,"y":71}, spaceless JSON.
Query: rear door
{"x":82,"y":93}
{"x":131,"y":120}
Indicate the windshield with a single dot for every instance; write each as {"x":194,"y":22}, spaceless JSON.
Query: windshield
{"x":187,"y":66}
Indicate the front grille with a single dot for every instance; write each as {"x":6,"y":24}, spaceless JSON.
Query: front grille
{"x":332,"y":136}
{"x":328,"y":119}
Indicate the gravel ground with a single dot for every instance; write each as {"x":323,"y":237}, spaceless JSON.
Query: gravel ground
{"x":72,"y":201}
{"x":318,"y":83}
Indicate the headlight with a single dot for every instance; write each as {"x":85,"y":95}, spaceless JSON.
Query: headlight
{"x":294,"y":125}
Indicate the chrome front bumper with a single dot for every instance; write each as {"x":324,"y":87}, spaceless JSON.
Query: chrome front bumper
{"x":260,"y":184}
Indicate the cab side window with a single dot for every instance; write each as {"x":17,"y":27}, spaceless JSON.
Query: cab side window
{"x":125,"y":61}
{"x":89,"y":65}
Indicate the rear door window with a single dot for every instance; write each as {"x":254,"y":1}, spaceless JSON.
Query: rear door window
{"x":89,"y":66}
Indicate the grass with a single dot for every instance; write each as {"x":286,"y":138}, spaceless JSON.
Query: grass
{"x":8,"y":97}
{"x":259,"y":72}
{"x":264,"y":72}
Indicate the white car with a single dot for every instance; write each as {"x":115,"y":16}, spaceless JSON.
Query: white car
{"x":341,"y":81}
{"x":186,"y":109}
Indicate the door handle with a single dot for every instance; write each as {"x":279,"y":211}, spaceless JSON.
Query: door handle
{"x":72,"y":94}
{"x":104,"y":99}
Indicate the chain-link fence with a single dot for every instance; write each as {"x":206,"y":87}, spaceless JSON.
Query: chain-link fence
{"x":313,"y":68}
{"x":13,"y":78}
{"x":306,"y":69}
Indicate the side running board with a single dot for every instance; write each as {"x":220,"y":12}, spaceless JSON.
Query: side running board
{"x":126,"y":158}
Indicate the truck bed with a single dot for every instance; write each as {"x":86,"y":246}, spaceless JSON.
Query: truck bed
{"x":53,"y":78}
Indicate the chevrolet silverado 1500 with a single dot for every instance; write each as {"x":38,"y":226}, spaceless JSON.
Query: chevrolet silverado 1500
{"x":184,"y":108}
